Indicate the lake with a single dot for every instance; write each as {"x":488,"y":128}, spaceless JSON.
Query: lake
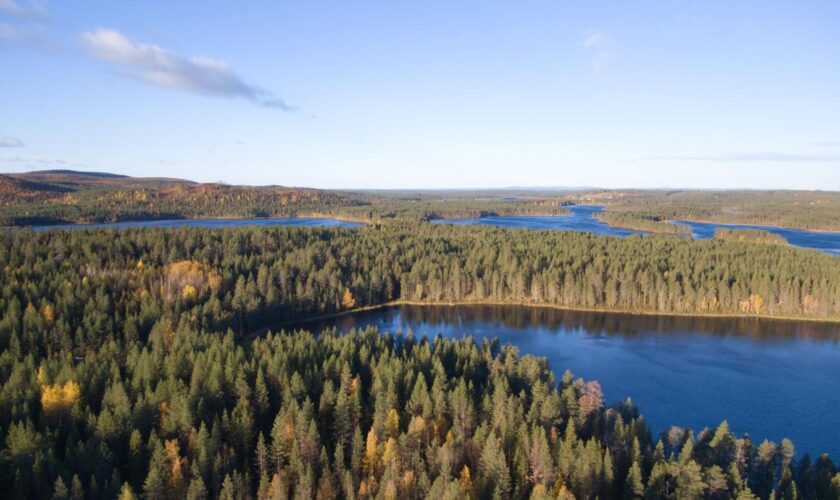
{"x":825,"y":241}
{"x":581,"y":218}
{"x":210,"y":223}
{"x":770,"y":378}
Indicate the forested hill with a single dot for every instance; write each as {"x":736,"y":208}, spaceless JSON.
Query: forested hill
{"x":117,"y":376}
{"x":62,"y":196}
{"x":68,"y":196}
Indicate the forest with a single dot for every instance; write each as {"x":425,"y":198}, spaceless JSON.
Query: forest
{"x":129,"y":366}
{"x":814,"y":210}
{"x":57,"y":197}
{"x":646,"y":224}
{"x":752,"y":235}
{"x":64,"y":196}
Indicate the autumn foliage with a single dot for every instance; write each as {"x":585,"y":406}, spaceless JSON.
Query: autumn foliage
{"x":58,"y":399}
{"x":187,"y":278}
{"x":347,"y":300}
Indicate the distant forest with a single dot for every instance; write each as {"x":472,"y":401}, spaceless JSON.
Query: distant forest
{"x":74,"y":197}
{"x":128,"y":367}
{"x":815,"y":210}
{"x":51,"y":197}
{"x":752,"y":235}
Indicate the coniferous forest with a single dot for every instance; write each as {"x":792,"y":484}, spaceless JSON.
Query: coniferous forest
{"x":555,"y":250}
{"x":136,"y":363}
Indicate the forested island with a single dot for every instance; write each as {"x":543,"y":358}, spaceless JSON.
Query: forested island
{"x":751,"y":235}
{"x":646,"y":224}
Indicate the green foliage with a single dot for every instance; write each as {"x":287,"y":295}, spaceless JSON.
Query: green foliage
{"x":647,"y":224}
{"x":173,"y":397}
{"x":65,"y":196}
{"x":750,"y":235}
{"x":818,"y":210}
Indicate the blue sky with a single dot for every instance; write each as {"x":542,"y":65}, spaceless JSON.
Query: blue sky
{"x":432,"y":94}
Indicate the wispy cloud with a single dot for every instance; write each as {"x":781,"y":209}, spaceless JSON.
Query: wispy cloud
{"x":27,"y":11}
{"x":602,"y":47}
{"x":826,"y":144}
{"x":10,"y":142}
{"x":26,"y":26}
{"x":756,"y":156}
{"x":156,"y":66}
{"x":34,"y":162}
{"x":28,"y":36}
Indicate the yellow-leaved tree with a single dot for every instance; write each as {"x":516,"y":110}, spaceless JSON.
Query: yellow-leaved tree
{"x":348,"y":301}
{"x":189,"y":292}
{"x":58,"y":399}
{"x":465,"y":483}
{"x":392,"y":423}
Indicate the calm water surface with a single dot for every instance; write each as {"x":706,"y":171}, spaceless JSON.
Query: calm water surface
{"x":827,"y":242}
{"x":771,"y":379}
{"x":581,"y":218}
{"x":210,"y":223}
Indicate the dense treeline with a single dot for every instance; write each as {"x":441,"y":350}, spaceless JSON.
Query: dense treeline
{"x":79,"y":288}
{"x":115,"y":380}
{"x":819,"y":210}
{"x":191,"y":414}
{"x":115,"y":377}
{"x":751,"y":235}
{"x":630,"y":221}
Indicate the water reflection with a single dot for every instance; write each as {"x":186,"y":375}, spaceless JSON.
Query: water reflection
{"x":770,"y":378}
{"x":434,"y":318}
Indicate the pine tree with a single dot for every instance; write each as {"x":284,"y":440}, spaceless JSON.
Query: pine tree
{"x":494,"y":469}
{"x":126,"y":493}
{"x":633,"y":486}
{"x":60,"y":489}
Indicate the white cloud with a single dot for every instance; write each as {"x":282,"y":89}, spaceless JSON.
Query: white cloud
{"x":27,"y":35}
{"x":602,"y":47}
{"x":159,"y":67}
{"x":26,"y":26}
{"x":10,"y":142}
{"x":29,"y":11}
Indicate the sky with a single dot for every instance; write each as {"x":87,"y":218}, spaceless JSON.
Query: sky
{"x":431,"y":94}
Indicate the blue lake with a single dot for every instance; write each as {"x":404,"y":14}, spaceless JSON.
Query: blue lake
{"x":210,"y":223}
{"x":581,"y":218}
{"x":769,"y":378}
{"x":825,"y":241}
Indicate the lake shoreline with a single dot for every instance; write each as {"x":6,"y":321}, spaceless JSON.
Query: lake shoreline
{"x":742,"y":224}
{"x":653,"y":360}
{"x":398,"y":303}
{"x":84,"y":225}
